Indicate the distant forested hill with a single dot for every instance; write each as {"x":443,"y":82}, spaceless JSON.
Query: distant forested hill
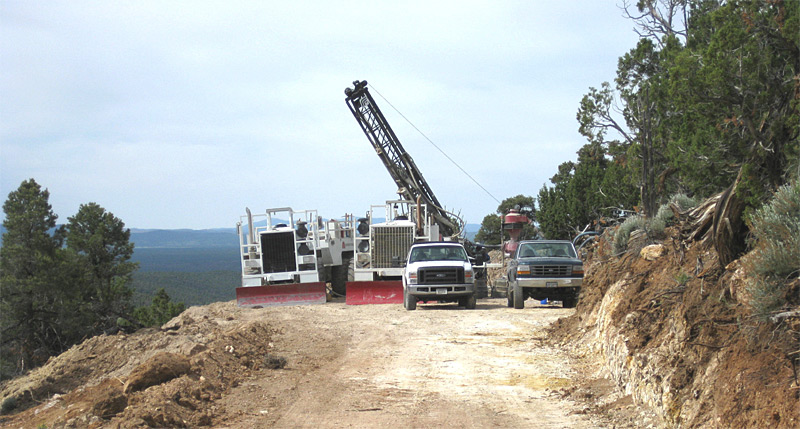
{"x":196,"y":267}
{"x":184,"y":238}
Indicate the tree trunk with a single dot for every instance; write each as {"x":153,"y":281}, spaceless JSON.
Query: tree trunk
{"x":729,"y":230}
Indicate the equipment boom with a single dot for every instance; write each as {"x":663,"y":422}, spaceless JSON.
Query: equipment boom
{"x":410,"y":183}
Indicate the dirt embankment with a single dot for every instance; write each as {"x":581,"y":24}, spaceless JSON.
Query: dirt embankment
{"x":674,"y":332}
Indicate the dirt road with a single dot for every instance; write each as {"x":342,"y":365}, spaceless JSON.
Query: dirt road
{"x":383,"y":366}
{"x":345,"y":366}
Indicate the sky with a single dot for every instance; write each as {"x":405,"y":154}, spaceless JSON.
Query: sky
{"x":181,"y":114}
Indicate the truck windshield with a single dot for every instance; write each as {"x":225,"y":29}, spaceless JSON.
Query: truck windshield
{"x":546,"y":250}
{"x":437,"y":253}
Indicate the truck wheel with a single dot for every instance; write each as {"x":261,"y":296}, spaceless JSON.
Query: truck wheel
{"x":570,"y":302}
{"x":510,"y":296}
{"x":341,"y":275}
{"x":471,"y":302}
{"x":409,"y":301}
{"x":519,"y":297}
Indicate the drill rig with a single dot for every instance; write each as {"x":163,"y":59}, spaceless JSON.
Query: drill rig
{"x":381,"y":247}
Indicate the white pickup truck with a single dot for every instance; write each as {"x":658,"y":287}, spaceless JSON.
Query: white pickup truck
{"x":438,"y":272}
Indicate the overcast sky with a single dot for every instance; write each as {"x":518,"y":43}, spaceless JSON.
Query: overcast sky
{"x":181,"y":114}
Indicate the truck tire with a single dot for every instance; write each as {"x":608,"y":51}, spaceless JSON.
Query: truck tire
{"x":570,"y":302}
{"x":409,"y":301}
{"x":341,"y":275}
{"x":519,"y":297}
{"x":509,"y":296}
{"x":471,"y":302}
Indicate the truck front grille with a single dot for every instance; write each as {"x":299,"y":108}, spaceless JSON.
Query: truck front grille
{"x":390,"y":245}
{"x":551,"y":270}
{"x":277,"y":252}
{"x":441,"y":275}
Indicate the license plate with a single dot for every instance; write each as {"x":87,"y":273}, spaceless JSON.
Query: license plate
{"x":441,"y":291}
{"x":551,"y":284}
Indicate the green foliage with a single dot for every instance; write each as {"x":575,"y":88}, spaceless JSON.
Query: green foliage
{"x":695,"y":107}
{"x":52,"y":296}
{"x":583,"y":193}
{"x":734,"y":99}
{"x":682,"y":278}
{"x":664,"y":214}
{"x":191,"y":288}
{"x":775,"y":258}
{"x":525,"y":204}
{"x":9,"y":405}
{"x":490,"y":231}
{"x":492,"y":224}
{"x":103,"y":246}
{"x":30,"y":291}
{"x":160,"y":311}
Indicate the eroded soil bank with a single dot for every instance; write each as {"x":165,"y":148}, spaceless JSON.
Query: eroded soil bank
{"x":674,"y":332}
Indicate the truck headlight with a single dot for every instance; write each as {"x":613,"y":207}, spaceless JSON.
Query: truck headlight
{"x":468,"y":276}
{"x":577,"y":269}
{"x":524,"y":270}
{"x":412,"y":278}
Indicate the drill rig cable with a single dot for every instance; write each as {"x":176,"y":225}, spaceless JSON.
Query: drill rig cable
{"x":434,"y":144}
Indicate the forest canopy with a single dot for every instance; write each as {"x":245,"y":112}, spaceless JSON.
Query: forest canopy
{"x":707,"y":102}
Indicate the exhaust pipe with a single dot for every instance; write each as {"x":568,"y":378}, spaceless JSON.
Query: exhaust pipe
{"x":251,"y":232}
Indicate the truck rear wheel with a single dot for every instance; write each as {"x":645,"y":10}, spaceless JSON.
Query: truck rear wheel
{"x":519,"y":297}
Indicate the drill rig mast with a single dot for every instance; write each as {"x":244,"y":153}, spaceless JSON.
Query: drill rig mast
{"x":410,"y":183}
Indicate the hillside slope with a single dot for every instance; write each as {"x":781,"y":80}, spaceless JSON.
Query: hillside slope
{"x":672,"y":330}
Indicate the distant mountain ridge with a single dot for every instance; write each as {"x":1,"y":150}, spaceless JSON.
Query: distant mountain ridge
{"x":200,"y":238}
{"x":184,"y":238}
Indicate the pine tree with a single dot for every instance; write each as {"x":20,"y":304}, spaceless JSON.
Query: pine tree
{"x":103,"y":245}
{"x":30,"y":293}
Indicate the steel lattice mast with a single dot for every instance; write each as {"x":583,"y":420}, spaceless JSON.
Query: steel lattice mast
{"x":410,"y":183}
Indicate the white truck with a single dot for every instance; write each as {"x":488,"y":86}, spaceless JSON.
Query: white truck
{"x":288,"y":256}
{"x":439,"y":272}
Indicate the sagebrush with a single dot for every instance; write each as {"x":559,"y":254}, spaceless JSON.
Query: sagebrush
{"x":775,"y":257}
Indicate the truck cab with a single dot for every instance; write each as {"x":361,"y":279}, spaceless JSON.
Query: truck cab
{"x":438,"y":272}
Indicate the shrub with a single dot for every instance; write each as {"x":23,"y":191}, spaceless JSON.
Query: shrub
{"x":775,"y":258}
{"x":9,"y":405}
{"x":624,"y":231}
{"x":664,"y":213}
{"x":653,"y":227}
